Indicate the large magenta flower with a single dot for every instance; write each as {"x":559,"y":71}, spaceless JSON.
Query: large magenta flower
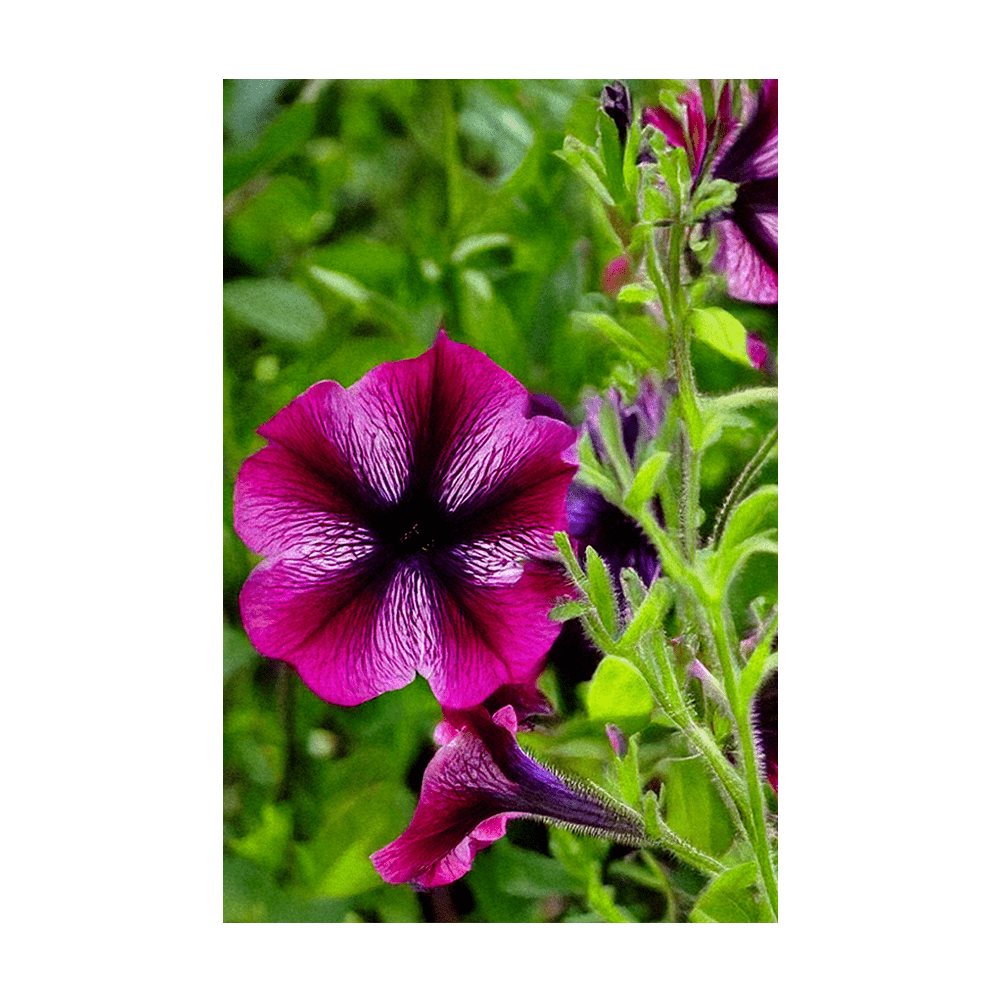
{"x":407,"y":526}
{"x":478,"y":780}
{"x":747,"y":155}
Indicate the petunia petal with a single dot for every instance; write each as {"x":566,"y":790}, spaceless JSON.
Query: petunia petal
{"x":753,"y":152}
{"x":494,"y":635}
{"x":749,"y":276}
{"x":343,"y":631}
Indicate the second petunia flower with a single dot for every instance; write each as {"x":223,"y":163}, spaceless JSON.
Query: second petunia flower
{"x":407,"y":526}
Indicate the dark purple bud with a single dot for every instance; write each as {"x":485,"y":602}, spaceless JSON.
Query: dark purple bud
{"x":617,"y":104}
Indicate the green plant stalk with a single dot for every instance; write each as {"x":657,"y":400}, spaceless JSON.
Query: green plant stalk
{"x":687,"y":853}
{"x":675,"y":309}
{"x":721,"y":634}
{"x":672,"y":701}
{"x":742,"y":484}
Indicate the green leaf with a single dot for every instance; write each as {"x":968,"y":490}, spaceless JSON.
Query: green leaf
{"x":618,"y":692}
{"x":567,"y":610}
{"x":476,"y":244}
{"x":720,"y":330}
{"x":370,"y":303}
{"x":728,"y":899}
{"x":753,"y":676}
{"x":631,"y":347}
{"x":636,"y":293}
{"x":600,"y":592}
{"x":627,"y":771}
{"x":565,"y":548}
{"x":748,"y":516}
{"x":286,"y":135}
{"x":275,"y":307}
{"x":611,"y":154}
{"x":649,"y":615}
{"x":266,"y":846}
{"x":694,"y":810}
{"x":584,"y":163}
{"x":725,"y":565}
{"x":646,"y":482}
{"x":712,"y":195}
{"x":237,"y":652}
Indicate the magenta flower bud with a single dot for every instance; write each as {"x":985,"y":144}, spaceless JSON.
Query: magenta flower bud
{"x":479,"y":779}
{"x":617,"y":275}
{"x":617,"y":739}
{"x":757,"y":351}
{"x":406,"y":524}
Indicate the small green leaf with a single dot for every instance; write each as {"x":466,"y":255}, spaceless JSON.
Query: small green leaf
{"x":631,"y":347}
{"x":477,"y":244}
{"x":600,"y":592}
{"x":584,"y":163}
{"x":646,"y":482}
{"x":618,"y":692}
{"x":565,"y":547}
{"x":649,"y":615}
{"x":627,"y":770}
{"x":753,"y":676}
{"x":637,"y":294}
{"x":275,"y":307}
{"x":722,"y":331}
{"x":728,"y":899}
{"x":567,"y":610}
{"x":712,"y":195}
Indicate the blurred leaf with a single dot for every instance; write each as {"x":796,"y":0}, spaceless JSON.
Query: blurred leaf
{"x":237,"y":652}
{"x":584,"y":163}
{"x":266,"y":846}
{"x":286,"y":135}
{"x":275,"y":307}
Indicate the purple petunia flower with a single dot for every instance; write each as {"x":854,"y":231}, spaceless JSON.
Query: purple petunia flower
{"x":478,"y":780}
{"x":748,"y":156}
{"x":407,"y":527}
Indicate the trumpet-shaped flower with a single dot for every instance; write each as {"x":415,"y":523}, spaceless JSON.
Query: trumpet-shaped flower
{"x":747,"y":155}
{"x":479,"y":779}
{"x":406,"y":524}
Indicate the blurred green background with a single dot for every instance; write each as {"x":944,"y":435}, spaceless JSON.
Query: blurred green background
{"x":360,"y":216}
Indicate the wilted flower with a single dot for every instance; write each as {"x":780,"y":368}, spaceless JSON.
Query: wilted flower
{"x":748,"y":156}
{"x":478,"y":780}
{"x":407,"y":527}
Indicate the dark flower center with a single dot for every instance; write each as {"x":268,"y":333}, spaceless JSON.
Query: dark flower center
{"x":411,"y":528}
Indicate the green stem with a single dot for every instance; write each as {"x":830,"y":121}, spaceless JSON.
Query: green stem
{"x":688,"y":854}
{"x":721,"y":633}
{"x":742,"y":484}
